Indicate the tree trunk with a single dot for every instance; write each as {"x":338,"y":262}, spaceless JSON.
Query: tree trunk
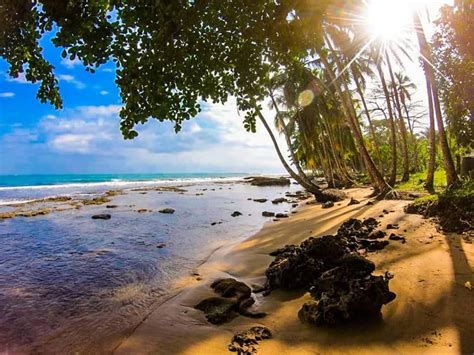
{"x":393,"y":136}
{"x":371,"y":126}
{"x":413,"y":137}
{"x":377,"y":179}
{"x":316,"y":191}
{"x":429,"y":183}
{"x":451,"y":176}
{"x":401,"y":122}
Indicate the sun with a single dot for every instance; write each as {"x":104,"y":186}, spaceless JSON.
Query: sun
{"x":388,"y":19}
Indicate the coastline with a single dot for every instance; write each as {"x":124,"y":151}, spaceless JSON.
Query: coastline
{"x":429,"y":315}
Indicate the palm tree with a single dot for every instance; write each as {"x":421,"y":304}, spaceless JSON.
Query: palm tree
{"x":401,"y":122}
{"x":451,"y":176}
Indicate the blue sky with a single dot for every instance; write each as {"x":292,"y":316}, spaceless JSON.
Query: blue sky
{"x":84,"y":137}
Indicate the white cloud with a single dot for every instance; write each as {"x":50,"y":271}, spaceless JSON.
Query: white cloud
{"x":70,"y":63}
{"x":73,"y":143}
{"x":7,"y":94}
{"x":214,"y":141}
{"x":72,"y":80}
{"x":103,"y":92}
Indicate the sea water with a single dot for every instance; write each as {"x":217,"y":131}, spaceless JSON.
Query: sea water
{"x":69,"y":283}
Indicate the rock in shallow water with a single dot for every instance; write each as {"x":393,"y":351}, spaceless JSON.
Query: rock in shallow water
{"x":101,"y":216}
{"x":236,"y":214}
{"x":167,"y":210}
{"x":268,"y":214}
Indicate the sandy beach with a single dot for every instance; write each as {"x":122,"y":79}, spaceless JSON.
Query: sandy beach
{"x":432,"y":313}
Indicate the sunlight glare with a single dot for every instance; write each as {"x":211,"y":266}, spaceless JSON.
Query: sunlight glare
{"x":388,"y":19}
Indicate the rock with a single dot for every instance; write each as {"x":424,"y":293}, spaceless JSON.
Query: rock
{"x":294,"y":205}
{"x":261,"y":200}
{"x":268,"y":214}
{"x":342,"y":299}
{"x":353,"y":201}
{"x":231,"y":288}
{"x":392,"y":226}
{"x":236,"y":299}
{"x":161,"y":245}
{"x":143,"y":210}
{"x":397,"y":237}
{"x":377,"y":234}
{"x":111,"y":206}
{"x":101,"y":216}
{"x":236,"y":214}
{"x":218,"y":310}
{"x":281,"y":215}
{"x":328,"y":204}
{"x":268,"y":181}
{"x":275,"y":219}
{"x":245,"y":343}
{"x":311,"y":203}
{"x":370,"y":203}
{"x":167,"y":210}
{"x":279,"y":200}
{"x":339,"y":279}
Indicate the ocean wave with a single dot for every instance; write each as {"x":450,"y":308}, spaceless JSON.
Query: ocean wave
{"x":115,"y":183}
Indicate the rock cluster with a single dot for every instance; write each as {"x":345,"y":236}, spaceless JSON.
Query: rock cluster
{"x":245,"y":343}
{"x":331,"y":268}
{"x":267,"y":181}
{"x":236,"y":298}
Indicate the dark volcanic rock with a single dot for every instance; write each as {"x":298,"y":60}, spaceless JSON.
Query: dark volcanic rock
{"x":101,"y":216}
{"x":377,"y":234}
{"x":236,"y":299}
{"x":343,"y":299}
{"x":281,"y":215}
{"x":279,"y":200}
{"x":268,"y":214}
{"x":161,"y":245}
{"x":167,"y":210}
{"x":397,"y":237}
{"x":245,"y":343}
{"x":111,"y":206}
{"x":261,"y":200}
{"x":268,"y":181}
{"x":392,"y":226}
{"x":353,"y":201}
{"x":339,"y":279}
{"x":328,"y":204}
{"x":236,"y":214}
{"x":218,"y":310}
{"x":231,"y":288}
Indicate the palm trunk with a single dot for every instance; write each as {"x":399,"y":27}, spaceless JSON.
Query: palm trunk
{"x":451,"y":176}
{"x":401,"y":123}
{"x":413,"y":137}
{"x":316,"y":191}
{"x":371,"y":126}
{"x":393,"y":136}
{"x":429,"y":183}
{"x":378,"y":181}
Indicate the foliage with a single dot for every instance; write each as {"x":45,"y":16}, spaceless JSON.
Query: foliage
{"x":417,"y":180}
{"x":170,"y":54}
{"x":453,"y":47}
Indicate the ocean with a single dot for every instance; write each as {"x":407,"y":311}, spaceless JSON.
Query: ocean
{"x":20,"y":188}
{"x":69,"y":283}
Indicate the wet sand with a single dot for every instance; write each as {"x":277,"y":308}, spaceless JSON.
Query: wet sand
{"x":432,"y":313}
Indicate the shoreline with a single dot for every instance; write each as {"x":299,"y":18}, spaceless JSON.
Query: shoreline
{"x":422,"y":319}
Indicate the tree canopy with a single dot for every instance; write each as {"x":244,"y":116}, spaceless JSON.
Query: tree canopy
{"x":169,"y":54}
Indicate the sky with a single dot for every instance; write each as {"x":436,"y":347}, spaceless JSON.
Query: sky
{"x":84,"y":137}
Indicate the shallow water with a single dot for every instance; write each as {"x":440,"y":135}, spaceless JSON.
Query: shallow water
{"x":69,"y":283}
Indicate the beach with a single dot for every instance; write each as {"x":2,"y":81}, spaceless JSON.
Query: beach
{"x":432,"y":313}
